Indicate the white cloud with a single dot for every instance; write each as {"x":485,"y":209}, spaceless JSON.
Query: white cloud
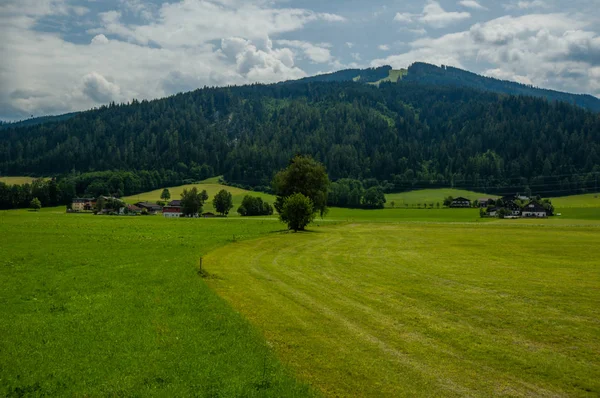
{"x":99,"y":39}
{"x":526,"y":5}
{"x":472,"y":4}
{"x":548,"y":50}
{"x":403,"y":17}
{"x":349,"y":44}
{"x":194,"y":22}
{"x":434,"y":15}
{"x":99,"y":89}
{"x":316,"y":53}
{"x":384,"y":47}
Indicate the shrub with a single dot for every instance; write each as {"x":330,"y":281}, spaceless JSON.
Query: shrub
{"x":297,"y":212}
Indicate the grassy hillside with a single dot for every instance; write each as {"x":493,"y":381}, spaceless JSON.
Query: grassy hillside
{"x":429,"y":196}
{"x":425,"y":309}
{"x":16,"y":180}
{"x":393,"y":77}
{"x":211,"y":186}
{"x":587,"y":200}
{"x":113,"y":306}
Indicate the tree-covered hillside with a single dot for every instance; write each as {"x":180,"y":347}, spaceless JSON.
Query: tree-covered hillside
{"x":446,"y":75}
{"x":408,"y":134}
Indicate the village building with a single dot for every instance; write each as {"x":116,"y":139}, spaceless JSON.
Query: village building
{"x":173,"y":209}
{"x":151,"y":208}
{"x":460,"y":202}
{"x":83,"y":204}
{"x":485,"y":202}
{"x":534,"y":209}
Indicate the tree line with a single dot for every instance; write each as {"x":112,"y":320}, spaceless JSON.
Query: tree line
{"x":406,"y":135}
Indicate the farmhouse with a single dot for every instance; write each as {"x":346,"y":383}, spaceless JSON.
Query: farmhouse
{"x":208,"y":215}
{"x":534,"y":209}
{"x":460,"y":202}
{"x":151,"y":208}
{"x":83,"y":204}
{"x":485,"y":202}
{"x":512,"y":207}
{"x":173,"y":209}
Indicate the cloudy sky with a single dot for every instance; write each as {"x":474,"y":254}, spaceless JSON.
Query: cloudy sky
{"x":58,"y":56}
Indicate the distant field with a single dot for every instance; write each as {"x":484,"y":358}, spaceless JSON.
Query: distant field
{"x":16,"y":180}
{"x":587,"y":200}
{"x":429,"y":196}
{"x":394,"y":76}
{"x":211,"y":186}
{"x":100,"y":306}
{"x":447,"y":310}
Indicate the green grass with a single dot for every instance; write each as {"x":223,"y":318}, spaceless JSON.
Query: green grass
{"x":16,"y":180}
{"x":429,"y":196}
{"x":394,"y":76}
{"x":489,"y":309}
{"x":211,"y":186}
{"x":586,"y":200}
{"x":114,"y":306}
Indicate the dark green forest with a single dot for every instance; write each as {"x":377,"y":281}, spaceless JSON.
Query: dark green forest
{"x":403,"y":135}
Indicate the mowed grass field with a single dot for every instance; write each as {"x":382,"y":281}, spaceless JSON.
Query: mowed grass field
{"x":490,"y":309}
{"x":114,"y":306}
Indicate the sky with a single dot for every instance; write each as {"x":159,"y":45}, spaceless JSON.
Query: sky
{"x":59,"y":56}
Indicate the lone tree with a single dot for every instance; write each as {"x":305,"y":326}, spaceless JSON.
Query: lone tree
{"x":165,"y":195}
{"x":306,"y":176}
{"x":297,"y":212}
{"x":35,"y":204}
{"x":223,"y":202}
{"x":191,"y":202}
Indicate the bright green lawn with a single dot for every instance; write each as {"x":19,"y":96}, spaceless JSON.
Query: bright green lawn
{"x":439,"y":310}
{"x":113,"y":306}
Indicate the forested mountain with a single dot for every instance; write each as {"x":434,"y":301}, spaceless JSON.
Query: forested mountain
{"x":370,"y":75}
{"x":406,"y":135}
{"x":449,"y":76}
{"x":37,"y":120}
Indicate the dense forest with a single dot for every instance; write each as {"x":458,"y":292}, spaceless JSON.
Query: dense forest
{"x":403,"y":135}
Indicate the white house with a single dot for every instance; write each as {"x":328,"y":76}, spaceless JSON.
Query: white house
{"x":534,"y":210}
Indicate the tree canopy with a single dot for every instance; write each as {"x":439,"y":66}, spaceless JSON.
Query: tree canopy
{"x":306,"y":176}
{"x":223,"y":202}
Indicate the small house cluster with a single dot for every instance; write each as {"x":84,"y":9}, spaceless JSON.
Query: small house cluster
{"x":115,"y":206}
{"x":517,"y":206}
{"x":511,"y":206}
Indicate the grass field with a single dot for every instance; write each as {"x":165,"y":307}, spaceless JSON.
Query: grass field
{"x":392,"y":302}
{"x":211,"y":186}
{"x":428,"y":196}
{"x":16,"y":180}
{"x":394,"y":76}
{"x":489,"y":309}
{"x":587,"y":200}
{"x":114,"y":306}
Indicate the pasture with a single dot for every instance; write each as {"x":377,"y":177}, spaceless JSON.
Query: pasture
{"x":114,"y":306}
{"x":425,"y":309}
{"x":387,"y":302}
{"x":16,"y":180}
{"x":211,"y":186}
{"x":430,"y":196}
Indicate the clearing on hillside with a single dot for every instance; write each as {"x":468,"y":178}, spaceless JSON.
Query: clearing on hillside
{"x":425,"y":310}
{"x":212,"y":186}
{"x":17,"y":180}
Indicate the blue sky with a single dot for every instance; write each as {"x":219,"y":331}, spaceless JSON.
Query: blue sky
{"x":59,"y":56}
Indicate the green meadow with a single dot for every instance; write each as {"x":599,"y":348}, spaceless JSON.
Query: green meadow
{"x":446,"y":310}
{"x":114,"y":306}
{"x":391,"y":302}
{"x":211,"y":186}
{"x":16,"y":180}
